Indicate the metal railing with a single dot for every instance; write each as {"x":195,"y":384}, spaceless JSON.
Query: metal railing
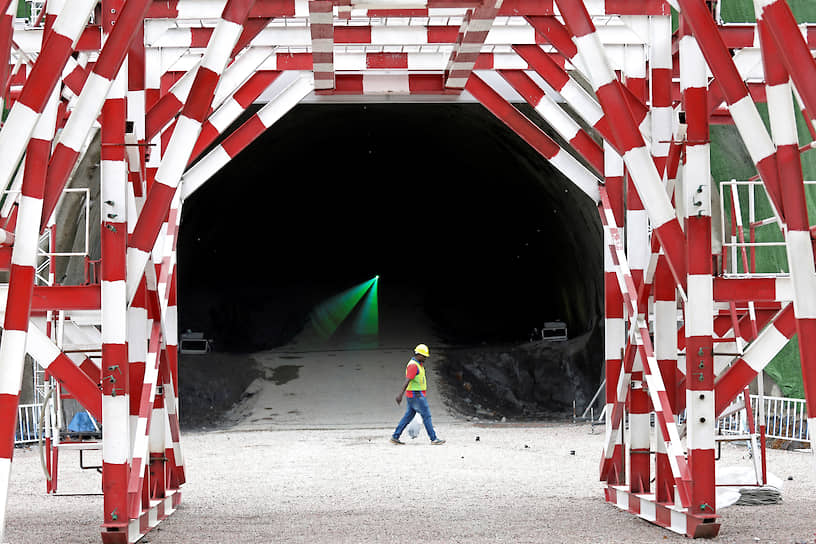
{"x":785,"y":419}
{"x":28,"y":420}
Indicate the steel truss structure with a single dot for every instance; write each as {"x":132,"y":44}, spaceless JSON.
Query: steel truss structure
{"x":162,"y":80}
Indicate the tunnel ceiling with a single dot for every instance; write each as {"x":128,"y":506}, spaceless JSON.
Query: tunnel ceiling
{"x":441,"y":200}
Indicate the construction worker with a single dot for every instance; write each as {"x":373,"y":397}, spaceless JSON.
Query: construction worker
{"x":414,"y":389}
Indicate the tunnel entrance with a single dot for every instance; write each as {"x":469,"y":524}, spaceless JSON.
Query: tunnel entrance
{"x":476,"y":238}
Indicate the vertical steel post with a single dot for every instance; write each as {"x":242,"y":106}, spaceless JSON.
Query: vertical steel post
{"x":699,"y":311}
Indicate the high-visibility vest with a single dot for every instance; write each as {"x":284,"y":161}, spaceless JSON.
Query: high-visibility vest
{"x":418,"y":382}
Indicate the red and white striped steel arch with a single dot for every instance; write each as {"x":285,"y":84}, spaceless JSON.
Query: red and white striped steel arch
{"x":194,"y":66}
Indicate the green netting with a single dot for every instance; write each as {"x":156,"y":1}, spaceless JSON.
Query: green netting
{"x":741,"y":11}
{"x":730,"y":160}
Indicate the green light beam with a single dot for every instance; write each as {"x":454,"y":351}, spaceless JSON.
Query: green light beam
{"x":367,"y":320}
{"x":329,"y":314}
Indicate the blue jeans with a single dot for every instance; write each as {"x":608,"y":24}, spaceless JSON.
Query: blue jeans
{"x":417,"y":403}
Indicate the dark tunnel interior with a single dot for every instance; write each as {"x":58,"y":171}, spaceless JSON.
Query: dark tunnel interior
{"x":452,"y":210}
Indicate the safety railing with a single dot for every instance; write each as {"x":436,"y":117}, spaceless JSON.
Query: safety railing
{"x":785,"y":419}
{"x":28,"y":421}
{"x":752,"y":241}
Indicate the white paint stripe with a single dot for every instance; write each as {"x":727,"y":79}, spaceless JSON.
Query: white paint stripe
{"x":586,"y":106}
{"x":614,"y":337}
{"x":114,"y":318}
{"x":649,"y":187}
{"x":26,"y":234}
{"x":178,"y":151}
{"x":399,"y":36}
{"x":201,"y":171}
{"x":781,"y":114}
{"x":85,"y":112}
{"x":12,"y":352}
{"x":760,"y":352}
{"x":800,"y":262}
{"x":136,"y":262}
{"x":71,"y":20}
{"x":577,"y":173}
{"x":219,"y":49}
{"x":115,"y":414}
{"x":594,"y":58}
{"x":701,"y":420}
{"x":14,"y":139}
{"x":558,"y":118}
{"x":640,"y":430}
{"x":660,"y":42}
{"x":665,"y":341}
{"x":751,"y":128}
{"x":637,"y":239}
{"x":700,"y":310}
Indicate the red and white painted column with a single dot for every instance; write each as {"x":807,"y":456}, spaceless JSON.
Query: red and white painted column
{"x":630,"y":144}
{"x":660,"y":69}
{"x":115,"y":371}
{"x":321,"y":26}
{"x":614,"y":319}
{"x":184,"y":138}
{"x":21,"y":285}
{"x":89,"y":104}
{"x":740,"y":104}
{"x":699,"y":309}
{"x":637,"y":253}
{"x":781,"y":113}
{"x":472,"y":35}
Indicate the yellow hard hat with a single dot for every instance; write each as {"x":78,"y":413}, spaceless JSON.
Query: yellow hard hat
{"x":422,"y":349}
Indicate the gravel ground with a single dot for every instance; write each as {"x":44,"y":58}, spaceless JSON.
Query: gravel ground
{"x":516,"y":483}
{"x":306,"y":458}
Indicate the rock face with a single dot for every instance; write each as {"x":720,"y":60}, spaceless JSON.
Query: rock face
{"x":528,"y":380}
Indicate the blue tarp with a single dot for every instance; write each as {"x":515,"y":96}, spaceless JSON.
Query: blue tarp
{"x":82,"y":423}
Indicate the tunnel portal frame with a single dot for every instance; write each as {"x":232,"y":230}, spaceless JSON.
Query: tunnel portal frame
{"x":194,"y":66}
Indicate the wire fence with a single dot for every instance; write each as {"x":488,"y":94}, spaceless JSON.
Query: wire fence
{"x":785,"y":419}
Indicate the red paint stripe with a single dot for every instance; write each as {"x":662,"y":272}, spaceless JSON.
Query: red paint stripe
{"x":731,"y":383}
{"x":673,"y":241}
{"x":160,"y":114}
{"x":617,"y":112}
{"x":555,"y":33}
{"x":443,"y":34}
{"x":294,"y":61}
{"x":78,"y":383}
{"x":699,"y":254}
{"x":8,"y":417}
{"x":18,"y":305}
{"x":576,"y":17}
{"x":543,"y":64}
{"x":207,"y":136}
{"x":36,"y":164}
{"x":351,"y":34}
{"x":243,"y":136}
{"x":91,"y":370}
{"x":237,"y":10}
{"x":200,"y":37}
{"x":201,"y":95}
{"x":44,"y":76}
{"x":153,"y":213}
{"x":502,"y":109}
{"x":387,"y":60}
{"x":253,"y":88}
{"x":397,"y":12}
